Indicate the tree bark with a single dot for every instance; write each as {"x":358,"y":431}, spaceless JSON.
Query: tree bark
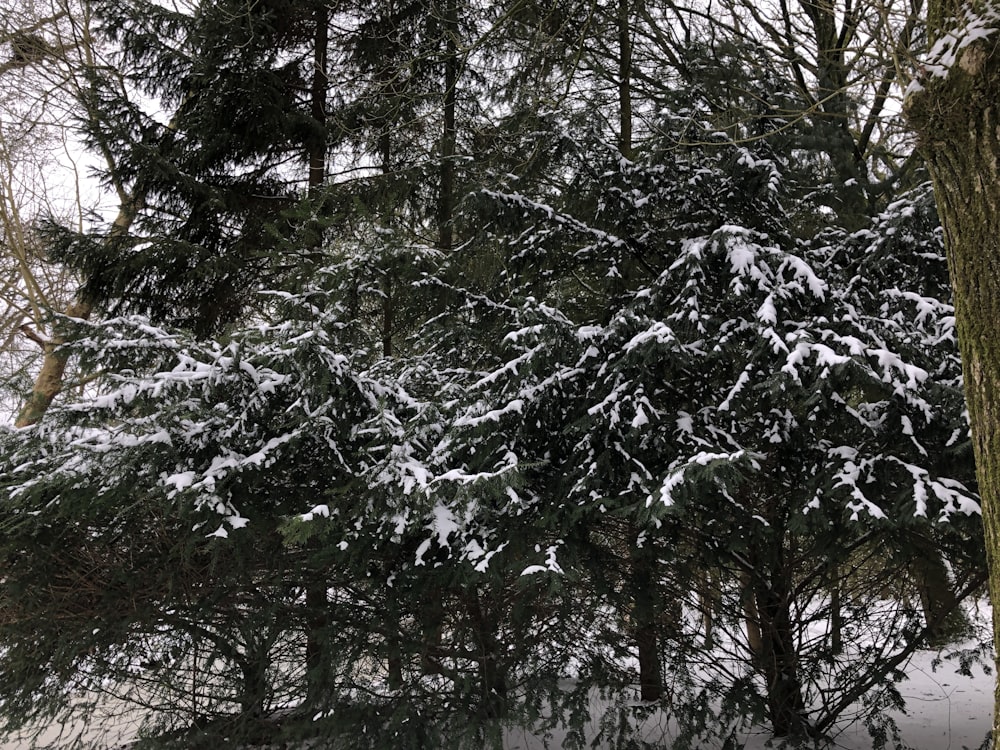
{"x":491,"y":674}
{"x":446,"y":195}
{"x":944,"y":617}
{"x":836,"y":611}
{"x":624,"y":79}
{"x":778,"y":660}
{"x":317,"y":650}
{"x":770,"y":582}
{"x":318,"y":91}
{"x":709,"y":596}
{"x":833,"y":113}
{"x":49,"y":381}
{"x":755,"y":640}
{"x":957,"y":121}
{"x":317,"y":603}
{"x":645,"y":600}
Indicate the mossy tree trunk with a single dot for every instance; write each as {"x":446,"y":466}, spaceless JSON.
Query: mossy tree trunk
{"x":957,"y":120}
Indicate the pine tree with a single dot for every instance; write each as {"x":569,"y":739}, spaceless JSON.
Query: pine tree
{"x":388,"y":459}
{"x":722,"y":378}
{"x":209,"y":189}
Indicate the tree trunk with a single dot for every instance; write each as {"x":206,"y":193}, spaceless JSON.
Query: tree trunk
{"x":317,"y":95}
{"x":491,"y":675}
{"x":832,"y":90}
{"x":253,"y":697}
{"x":957,"y":121}
{"x":755,"y":640}
{"x":836,"y":611}
{"x":317,"y":656}
{"x":709,"y":596}
{"x":388,"y":278}
{"x":317,"y":602}
{"x":769,"y":582}
{"x":943,"y":613}
{"x":645,"y":601}
{"x":624,"y":79}
{"x":394,"y":646}
{"x":778,"y":660}
{"x":431,"y":616}
{"x":49,"y":381}
{"x":446,"y":195}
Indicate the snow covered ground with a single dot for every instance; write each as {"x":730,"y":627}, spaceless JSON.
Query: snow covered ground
{"x":945,"y":711}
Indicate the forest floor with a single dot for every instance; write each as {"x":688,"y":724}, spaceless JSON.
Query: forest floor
{"x":945,"y":710}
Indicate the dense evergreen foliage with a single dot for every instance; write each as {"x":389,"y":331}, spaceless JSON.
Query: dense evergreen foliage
{"x":463,"y":363}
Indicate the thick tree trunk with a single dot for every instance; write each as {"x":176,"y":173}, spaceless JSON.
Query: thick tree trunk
{"x":833,"y":114}
{"x":957,"y":120}
{"x":253,"y":697}
{"x":431,"y":617}
{"x":317,"y":650}
{"x":770,"y":583}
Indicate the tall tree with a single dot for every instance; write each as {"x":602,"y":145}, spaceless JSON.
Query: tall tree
{"x":44,"y":78}
{"x":952,"y":107}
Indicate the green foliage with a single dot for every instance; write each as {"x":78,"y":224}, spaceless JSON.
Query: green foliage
{"x":338,"y":480}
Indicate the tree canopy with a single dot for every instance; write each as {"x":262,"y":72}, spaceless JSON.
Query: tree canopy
{"x":449,"y":364}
